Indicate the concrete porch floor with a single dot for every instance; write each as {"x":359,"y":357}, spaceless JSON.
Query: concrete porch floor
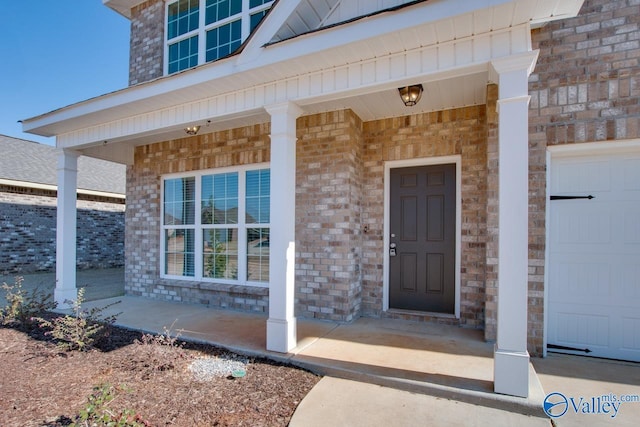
{"x":437,"y":360}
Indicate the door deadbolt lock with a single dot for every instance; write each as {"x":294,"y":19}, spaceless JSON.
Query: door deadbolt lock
{"x":392,"y":249}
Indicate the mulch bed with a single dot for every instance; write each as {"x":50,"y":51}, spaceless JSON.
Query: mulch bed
{"x":42,"y":386}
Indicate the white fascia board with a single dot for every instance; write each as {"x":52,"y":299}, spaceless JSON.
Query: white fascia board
{"x":40,"y":125}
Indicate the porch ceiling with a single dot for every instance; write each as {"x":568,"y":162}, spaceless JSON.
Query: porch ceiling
{"x":438,"y":95}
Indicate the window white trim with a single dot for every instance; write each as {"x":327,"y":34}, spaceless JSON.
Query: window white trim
{"x":201,"y":31}
{"x":242,"y":225}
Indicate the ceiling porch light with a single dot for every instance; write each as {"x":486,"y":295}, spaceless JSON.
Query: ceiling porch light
{"x":410,"y":95}
{"x":192,"y":130}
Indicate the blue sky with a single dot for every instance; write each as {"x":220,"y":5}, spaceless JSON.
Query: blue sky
{"x":56,"y":53}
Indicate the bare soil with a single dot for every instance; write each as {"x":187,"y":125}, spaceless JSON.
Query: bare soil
{"x":43,"y":386}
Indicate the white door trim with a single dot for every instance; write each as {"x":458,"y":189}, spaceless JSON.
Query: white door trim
{"x":427,"y":161}
{"x":572,"y":150}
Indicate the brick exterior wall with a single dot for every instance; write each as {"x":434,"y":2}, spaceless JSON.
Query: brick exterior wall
{"x":207,"y":151}
{"x":585,"y":88}
{"x":146,"y":51}
{"x":28,"y":232}
{"x":328,"y":216}
{"x":340,"y":182}
{"x":462,"y":132}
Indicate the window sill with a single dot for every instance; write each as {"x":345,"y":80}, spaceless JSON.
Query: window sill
{"x":218,"y":287}
{"x":240,"y":289}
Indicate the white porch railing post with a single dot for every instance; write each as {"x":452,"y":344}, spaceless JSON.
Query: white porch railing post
{"x":511,"y":358}
{"x":281,"y":325}
{"x":66,"y":227}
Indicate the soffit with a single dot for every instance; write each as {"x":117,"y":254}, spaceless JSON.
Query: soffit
{"x":123,"y":7}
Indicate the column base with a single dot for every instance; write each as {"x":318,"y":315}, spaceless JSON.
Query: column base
{"x":281,"y":335}
{"x":511,"y":372}
{"x":61,"y":295}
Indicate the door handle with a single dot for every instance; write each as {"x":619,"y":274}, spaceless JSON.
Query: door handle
{"x":392,"y":249}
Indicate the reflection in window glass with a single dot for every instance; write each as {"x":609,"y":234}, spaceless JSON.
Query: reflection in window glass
{"x":179,"y":201}
{"x":256,"y":3}
{"x":229,"y":238}
{"x":255,"y":19}
{"x":179,"y":252}
{"x":220,"y":198}
{"x":257,"y":199}
{"x":183,"y":54}
{"x":222,"y":30}
{"x":220,"y":252}
{"x":182,"y":18}
{"x":223,"y":40}
{"x":258,"y":254}
{"x":217,"y":10}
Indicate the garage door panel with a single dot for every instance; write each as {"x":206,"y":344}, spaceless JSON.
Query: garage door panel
{"x":628,"y":282}
{"x":579,"y":280}
{"x":580,"y":222}
{"x":594,"y":255}
{"x":631,"y":174}
{"x":613,"y":281}
{"x":631,"y":234}
{"x":578,"y":175}
{"x":582,"y":329}
{"x":631,"y":334}
{"x":596,"y":332}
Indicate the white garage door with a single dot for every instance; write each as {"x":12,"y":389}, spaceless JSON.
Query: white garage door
{"x":594,"y":255}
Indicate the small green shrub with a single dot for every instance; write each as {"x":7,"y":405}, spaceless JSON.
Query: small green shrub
{"x":98,"y":413}
{"x":82,"y":329}
{"x":23,"y":306}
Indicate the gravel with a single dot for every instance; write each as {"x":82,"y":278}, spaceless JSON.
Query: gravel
{"x":207,"y":368}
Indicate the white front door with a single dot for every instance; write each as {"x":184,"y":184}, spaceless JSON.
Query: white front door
{"x":594,"y":255}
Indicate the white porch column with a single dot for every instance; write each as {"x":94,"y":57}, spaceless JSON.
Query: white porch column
{"x":66,"y":227}
{"x":511,"y":358}
{"x":281,"y":325}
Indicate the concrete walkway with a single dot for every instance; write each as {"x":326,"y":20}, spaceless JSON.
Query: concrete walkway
{"x":340,"y":402}
{"x":586,"y":377}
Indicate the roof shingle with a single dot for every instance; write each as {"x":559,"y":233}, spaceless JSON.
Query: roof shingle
{"x":29,"y":161}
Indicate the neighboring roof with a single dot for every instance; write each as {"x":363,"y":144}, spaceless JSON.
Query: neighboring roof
{"x":35,"y":163}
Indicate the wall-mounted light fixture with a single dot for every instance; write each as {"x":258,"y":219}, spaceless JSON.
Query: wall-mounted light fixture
{"x":410,"y":95}
{"x":192,"y":130}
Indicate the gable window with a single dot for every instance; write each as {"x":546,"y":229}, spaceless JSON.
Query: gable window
{"x":216,"y":226}
{"x":200,"y":31}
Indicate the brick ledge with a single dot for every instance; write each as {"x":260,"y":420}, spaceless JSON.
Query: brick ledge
{"x":219,"y":287}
